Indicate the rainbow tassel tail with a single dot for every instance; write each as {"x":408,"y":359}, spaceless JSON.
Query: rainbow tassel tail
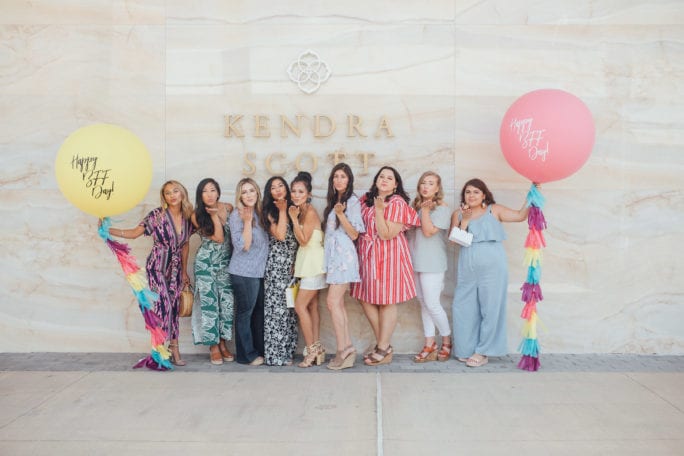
{"x":158,"y":359}
{"x":531,"y":291}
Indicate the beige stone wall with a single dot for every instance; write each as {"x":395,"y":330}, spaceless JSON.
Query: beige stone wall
{"x":442,"y":73}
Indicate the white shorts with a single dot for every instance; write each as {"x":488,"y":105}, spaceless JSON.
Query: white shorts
{"x":313,"y":283}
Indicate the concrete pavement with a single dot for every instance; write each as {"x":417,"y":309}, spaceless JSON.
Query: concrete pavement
{"x":94,"y":404}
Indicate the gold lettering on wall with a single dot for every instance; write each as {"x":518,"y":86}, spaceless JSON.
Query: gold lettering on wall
{"x":249,"y":156}
{"x":384,"y":125}
{"x":231,"y":127}
{"x":261,"y":127}
{"x":354,"y":124}
{"x":285,"y":124}
{"x":320,"y":125}
{"x":269,"y":168}
{"x":337,"y":156}
{"x":317,"y":126}
{"x":364,"y":159}
{"x":311,"y":157}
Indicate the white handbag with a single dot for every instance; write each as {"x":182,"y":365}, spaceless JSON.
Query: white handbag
{"x":461,"y":237}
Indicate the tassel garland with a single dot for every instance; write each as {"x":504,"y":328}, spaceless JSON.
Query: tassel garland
{"x":531,"y":291}
{"x":158,"y":359}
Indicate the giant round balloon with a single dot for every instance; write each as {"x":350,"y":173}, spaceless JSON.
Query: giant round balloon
{"x":547,"y":135}
{"x":103,"y":169}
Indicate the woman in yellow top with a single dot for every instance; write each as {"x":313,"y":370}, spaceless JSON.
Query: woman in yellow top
{"x":309,"y":266}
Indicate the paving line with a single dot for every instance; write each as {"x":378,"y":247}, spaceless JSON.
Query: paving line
{"x":378,"y":411}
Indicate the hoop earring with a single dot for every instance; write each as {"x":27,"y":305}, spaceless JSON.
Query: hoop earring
{"x":483,"y":205}
{"x":165,"y":205}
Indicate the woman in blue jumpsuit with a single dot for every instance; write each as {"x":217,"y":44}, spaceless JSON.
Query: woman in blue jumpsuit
{"x":479,"y":307}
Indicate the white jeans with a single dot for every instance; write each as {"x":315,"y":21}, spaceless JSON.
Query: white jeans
{"x":429,"y":286}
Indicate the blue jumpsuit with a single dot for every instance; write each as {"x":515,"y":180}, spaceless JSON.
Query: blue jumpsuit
{"x":479,"y":307}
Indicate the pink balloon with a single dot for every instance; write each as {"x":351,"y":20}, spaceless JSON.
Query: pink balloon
{"x":547,"y":135}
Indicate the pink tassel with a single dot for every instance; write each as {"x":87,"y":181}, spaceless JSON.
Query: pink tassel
{"x":535,"y":219}
{"x":529,"y":363}
{"x":158,"y":336}
{"x":128,"y":266}
{"x":529,"y":308}
{"x":535,"y":239}
{"x":531,"y":292}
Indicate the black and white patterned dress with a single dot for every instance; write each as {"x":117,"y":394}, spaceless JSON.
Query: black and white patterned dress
{"x":280,"y":323}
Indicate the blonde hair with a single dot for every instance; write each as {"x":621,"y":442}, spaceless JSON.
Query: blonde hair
{"x":439,"y":196}
{"x":238,"y":195}
{"x":186,"y":205}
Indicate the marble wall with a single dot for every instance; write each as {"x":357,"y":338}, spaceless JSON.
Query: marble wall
{"x":442,"y":73}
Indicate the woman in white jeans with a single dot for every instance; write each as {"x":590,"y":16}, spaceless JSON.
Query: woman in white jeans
{"x":429,"y":256}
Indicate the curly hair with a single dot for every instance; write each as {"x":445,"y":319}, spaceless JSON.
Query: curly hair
{"x":439,"y":196}
{"x":373,"y":192}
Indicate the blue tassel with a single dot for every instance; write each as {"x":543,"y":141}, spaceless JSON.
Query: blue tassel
{"x":161,"y":362}
{"x":535,"y":198}
{"x":529,"y":347}
{"x":146,"y":298}
{"x":103,"y":230}
{"x":533,"y":275}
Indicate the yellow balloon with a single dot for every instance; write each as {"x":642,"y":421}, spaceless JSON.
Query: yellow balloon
{"x":103,"y":169}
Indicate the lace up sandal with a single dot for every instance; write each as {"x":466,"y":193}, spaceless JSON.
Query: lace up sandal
{"x":312,"y":357}
{"x":175,"y":356}
{"x":429,"y":353}
{"x":320,"y":352}
{"x":444,"y":352}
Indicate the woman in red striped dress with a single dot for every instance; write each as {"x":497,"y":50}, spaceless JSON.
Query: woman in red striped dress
{"x":384,"y":259}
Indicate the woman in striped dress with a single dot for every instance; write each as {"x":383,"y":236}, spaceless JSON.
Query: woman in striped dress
{"x":170,"y":228}
{"x":384,"y":259}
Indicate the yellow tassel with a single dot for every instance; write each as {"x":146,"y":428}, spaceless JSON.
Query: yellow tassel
{"x":529,"y":330}
{"x":533,"y":257}
{"x":136,"y":281}
{"x":163,"y":352}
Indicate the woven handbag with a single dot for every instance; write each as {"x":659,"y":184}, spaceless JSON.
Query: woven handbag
{"x":186,"y":299}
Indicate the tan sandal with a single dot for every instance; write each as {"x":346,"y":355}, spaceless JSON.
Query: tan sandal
{"x":477,"y":360}
{"x":380,"y":356}
{"x":175,"y":355}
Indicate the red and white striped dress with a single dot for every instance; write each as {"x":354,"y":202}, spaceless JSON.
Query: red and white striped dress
{"x":385,"y":266}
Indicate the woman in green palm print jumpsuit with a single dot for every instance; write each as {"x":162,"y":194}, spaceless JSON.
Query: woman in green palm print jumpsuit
{"x":212,"y":316}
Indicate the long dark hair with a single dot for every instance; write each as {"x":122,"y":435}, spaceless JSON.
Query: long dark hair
{"x":269,"y":211}
{"x":478,"y":184}
{"x":373,"y":192}
{"x":204,"y":222}
{"x":332,"y":197}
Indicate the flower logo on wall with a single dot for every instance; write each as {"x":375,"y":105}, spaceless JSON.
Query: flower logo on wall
{"x":309,"y":71}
